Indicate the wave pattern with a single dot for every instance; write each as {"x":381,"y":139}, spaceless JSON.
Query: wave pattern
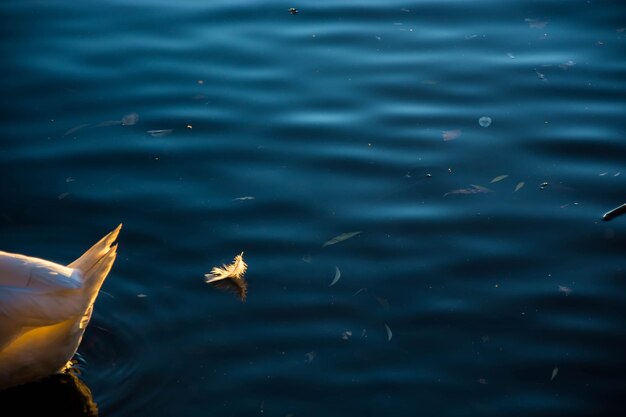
{"x":502,"y":299}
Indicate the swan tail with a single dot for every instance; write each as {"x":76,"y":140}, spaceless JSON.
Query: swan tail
{"x":96,"y":263}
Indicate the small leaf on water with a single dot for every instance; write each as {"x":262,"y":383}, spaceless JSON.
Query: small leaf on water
{"x":389,"y":333}
{"x":554,"y":372}
{"x":519,"y":186}
{"x":340,"y":238}
{"x":450,"y":134}
{"x":498,"y":178}
{"x":337,"y":276}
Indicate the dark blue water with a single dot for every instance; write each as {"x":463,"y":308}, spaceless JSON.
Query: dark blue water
{"x":347,"y":116}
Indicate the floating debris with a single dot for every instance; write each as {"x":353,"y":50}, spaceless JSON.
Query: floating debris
{"x":519,"y":186}
{"x":293,"y":10}
{"x":473,"y":189}
{"x":543,"y":185}
{"x":69,"y":179}
{"x":75,"y":129}
{"x":450,"y":134}
{"x":567,"y":65}
{"x":247,"y":197}
{"x":130,"y":119}
{"x":340,"y":238}
{"x":62,"y":196}
{"x":142,"y":295}
{"x":484,"y":121}
{"x":498,"y":178}
{"x":564,"y":289}
{"x":389,"y":333}
{"x":159,"y":132}
{"x":510,"y":55}
{"x":107,"y":123}
{"x":384,"y":303}
{"x":189,"y":127}
{"x":359,"y":291}
{"x":535,"y":23}
{"x":482,"y":381}
{"x":618,"y":211}
{"x":541,"y":76}
{"x":346,"y":335}
{"x":337,"y":276}
{"x":230,"y":277}
{"x":310,"y":356}
{"x":554,"y":372}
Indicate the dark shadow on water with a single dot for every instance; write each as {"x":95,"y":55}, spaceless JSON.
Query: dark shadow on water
{"x":57,"y":395}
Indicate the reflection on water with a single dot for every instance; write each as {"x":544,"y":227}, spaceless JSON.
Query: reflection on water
{"x":64,"y":395}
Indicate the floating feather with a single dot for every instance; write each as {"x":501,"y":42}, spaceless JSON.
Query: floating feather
{"x":554,"y":372}
{"x":230,"y":277}
{"x":337,"y":276}
{"x":389,"y":333}
{"x":340,"y":238}
{"x":498,"y":178}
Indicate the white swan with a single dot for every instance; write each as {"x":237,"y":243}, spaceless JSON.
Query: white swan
{"x":45,"y":308}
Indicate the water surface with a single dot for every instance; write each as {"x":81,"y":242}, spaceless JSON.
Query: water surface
{"x":450,"y":303}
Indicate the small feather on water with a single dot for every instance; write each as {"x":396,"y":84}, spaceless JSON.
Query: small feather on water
{"x":473,"y":189}
{"x":498,"y":178}
{"x":75,"y":129}
{"x":159,"y":132}
{"x":107,"y":123}
{"x":130,"y":119}
{"x":554,"y":372}
{"x":337,"y":276}
{"x":565,"y":290}
{"x":519,"y":186}
{"x":340,"y":238}
{"x":230,"y":277}
{"x":447,"y":135}
{"x":389,"y":333}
